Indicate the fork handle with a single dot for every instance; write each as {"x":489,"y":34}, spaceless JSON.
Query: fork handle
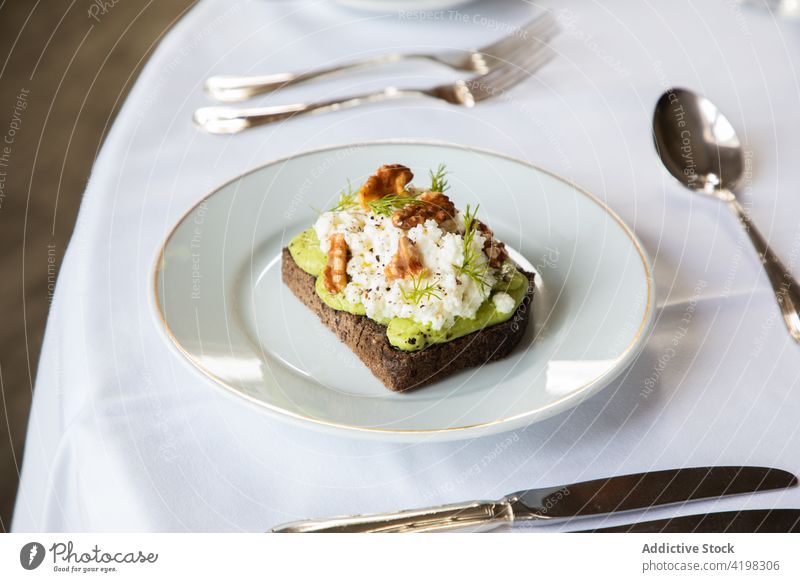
{"x":231,"y":89}
{"x":483,"y":514}
{"x":226,"y":120}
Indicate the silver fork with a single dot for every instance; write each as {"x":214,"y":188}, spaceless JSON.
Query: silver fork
{"x":226,"y":120}
{"x":231,"y":89}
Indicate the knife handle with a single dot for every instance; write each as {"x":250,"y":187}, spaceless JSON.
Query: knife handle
{"x":480,"y":514}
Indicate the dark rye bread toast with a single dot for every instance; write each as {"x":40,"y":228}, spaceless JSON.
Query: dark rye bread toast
{"x":399,"y":370}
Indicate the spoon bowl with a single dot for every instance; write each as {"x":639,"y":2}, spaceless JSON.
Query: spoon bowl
{"x":697,"y":143}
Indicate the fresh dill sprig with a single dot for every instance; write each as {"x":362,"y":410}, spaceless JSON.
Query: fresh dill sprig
{"x":439,"y":179}
{"x":470,"y":266}
{"x":347,"y":199}
{"x":477,"y":274}
{"x":387,"y":205}
{"x":418,"y":292}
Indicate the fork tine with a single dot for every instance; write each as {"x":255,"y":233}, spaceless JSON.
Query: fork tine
{"x":523,"y":53}
{"x":523,"y":33}
{"x":534,"y":42}
{"x":500,"y":80}
{"x":541,"y":27}
{"x":522,"y":57}
{"x":529,"y":66}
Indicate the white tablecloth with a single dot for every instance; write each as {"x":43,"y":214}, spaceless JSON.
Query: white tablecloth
{"x":124,"y":435}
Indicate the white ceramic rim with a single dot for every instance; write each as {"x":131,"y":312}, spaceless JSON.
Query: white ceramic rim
{"x":513,"y":421}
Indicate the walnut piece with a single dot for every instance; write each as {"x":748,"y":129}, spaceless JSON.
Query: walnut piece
{"x":335,"y":273}
{"x":495,"y":250}
{"x":389,"y":179}
{"x":433,"y":205}
{"x":407,"y":262}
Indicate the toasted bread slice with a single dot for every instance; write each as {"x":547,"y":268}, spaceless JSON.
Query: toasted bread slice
{"x":397,"y":369}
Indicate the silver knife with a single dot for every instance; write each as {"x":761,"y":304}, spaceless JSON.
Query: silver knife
{"x":552,"y":504}
{"x":747,"y":521}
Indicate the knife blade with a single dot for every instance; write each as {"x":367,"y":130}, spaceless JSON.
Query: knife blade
{"x":643,"y":490}
{"x":597,"y":497}
{"x":748,"y":521}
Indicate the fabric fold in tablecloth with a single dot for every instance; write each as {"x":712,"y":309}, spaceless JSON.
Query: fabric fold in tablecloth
{"x":125,"y":435}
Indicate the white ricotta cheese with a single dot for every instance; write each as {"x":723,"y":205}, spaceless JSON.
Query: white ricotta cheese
{"x":373,"y":240}
{"x":503,"y":302}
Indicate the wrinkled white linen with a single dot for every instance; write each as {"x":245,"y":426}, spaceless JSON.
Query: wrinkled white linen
{"x":124,"y":435}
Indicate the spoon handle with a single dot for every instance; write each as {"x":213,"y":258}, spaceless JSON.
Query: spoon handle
{"x":786,"y":289}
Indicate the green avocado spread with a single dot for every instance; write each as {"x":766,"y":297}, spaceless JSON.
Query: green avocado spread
{"x":406,"y":334}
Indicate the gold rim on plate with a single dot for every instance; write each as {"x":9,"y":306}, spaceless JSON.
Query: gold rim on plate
{"x":624,"y":358}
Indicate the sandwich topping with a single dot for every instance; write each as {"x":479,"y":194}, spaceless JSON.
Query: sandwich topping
{"x":335,"y":272}
{"x":406,"y":257}
{"x":406,"y":262}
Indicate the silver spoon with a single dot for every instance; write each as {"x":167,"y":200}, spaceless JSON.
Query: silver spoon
{"x":699,"y":146}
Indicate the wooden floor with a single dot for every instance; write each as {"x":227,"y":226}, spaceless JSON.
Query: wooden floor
{"x":64,"y":69}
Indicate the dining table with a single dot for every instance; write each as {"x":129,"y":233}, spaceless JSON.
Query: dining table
{"x":126,"y":435}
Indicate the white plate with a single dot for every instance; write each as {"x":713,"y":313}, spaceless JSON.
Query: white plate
{"x":221,"y":300}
